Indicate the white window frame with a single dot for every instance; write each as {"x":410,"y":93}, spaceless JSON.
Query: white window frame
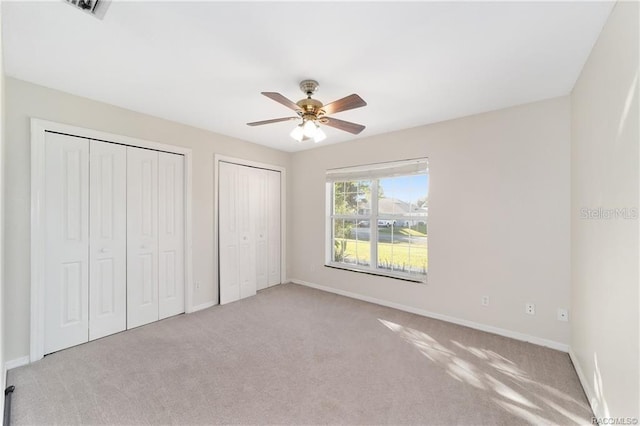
{"x":372,"y":173}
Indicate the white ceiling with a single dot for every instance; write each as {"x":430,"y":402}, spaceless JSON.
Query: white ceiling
{"x":205,"y":63}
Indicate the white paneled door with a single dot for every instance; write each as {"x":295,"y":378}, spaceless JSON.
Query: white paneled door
{"x":170,"y":234}
{"x":108,"y":239}
{"x":259,"y":206}
{"x":273,"y":228}
{"x":67,"y":241}
{"x":249,"y":243}
{"x":245,"y":195}
{"x":142,"y":236}
{"x":114,"y":232}
{"x":229,"y":234}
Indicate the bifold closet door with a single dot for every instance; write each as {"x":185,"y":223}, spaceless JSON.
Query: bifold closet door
{"x":228,"y":262}
{"x":249,"y":230}
{"x":236,"y":232}
{"x":273,"y":230}
{"x":108,"y":239}
{"x":114,"y":238}
{"x":266,"y":210}
{"x":66,"y":269}
{"x":171,"y":234}
{"x":260,"y":210}
{"x":246,"y":195}
{"x":142,"y":236}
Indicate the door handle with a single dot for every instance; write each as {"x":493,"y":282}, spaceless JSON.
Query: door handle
{"x":105,"y":250}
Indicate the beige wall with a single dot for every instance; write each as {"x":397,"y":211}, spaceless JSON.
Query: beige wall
{"x":26,"y":100}
{"x":604,"y":174}
{"x":498,"y":217}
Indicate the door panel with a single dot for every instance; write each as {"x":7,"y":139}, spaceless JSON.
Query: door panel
{"x":245,"y":194}
{"x":67,"y":241}
{"x":103,"y":286}
{"x":260,"y":218}
{"x":142,"y":236}
{"x":228,"y":233}
{"x":108,"y":242}
{"x":273,"y":220}
{"x":247,"y":268}
{"x":72,"y":292}
{"x":171,"y":234}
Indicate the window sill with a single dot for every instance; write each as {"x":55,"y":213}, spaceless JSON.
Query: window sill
{"x":375,"y":273}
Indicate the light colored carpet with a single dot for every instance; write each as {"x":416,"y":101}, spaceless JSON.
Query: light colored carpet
{"x":297,"y":355}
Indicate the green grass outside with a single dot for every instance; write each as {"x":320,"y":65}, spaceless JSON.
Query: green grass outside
{"x":397,"y":256}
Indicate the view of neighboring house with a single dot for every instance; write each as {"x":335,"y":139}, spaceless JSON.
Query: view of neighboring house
{"x":390,"y":208}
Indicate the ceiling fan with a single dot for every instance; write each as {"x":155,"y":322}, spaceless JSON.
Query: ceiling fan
{"x":313,"y":113}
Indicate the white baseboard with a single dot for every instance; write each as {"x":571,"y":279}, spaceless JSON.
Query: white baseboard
{"x":588,"y":390}
{"x":18,"y":362}
{"x":478,"y":326}
{"x":202,"y":306}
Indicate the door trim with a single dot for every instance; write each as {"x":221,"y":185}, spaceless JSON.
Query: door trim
{"x":38,"y":129}
{"x":283,"y":211}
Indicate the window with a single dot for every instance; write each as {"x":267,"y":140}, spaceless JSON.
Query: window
{"x":377,"y":219}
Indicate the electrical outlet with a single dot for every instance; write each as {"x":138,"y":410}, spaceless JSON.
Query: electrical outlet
{"x":563,"y":314}
{"x":197,"y":284}
{"x":485,"y":301}
{"x":530,"y":308}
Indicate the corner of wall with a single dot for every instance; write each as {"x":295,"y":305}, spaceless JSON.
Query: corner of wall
{"x":2,"y":139}
{"x":605,"y":182}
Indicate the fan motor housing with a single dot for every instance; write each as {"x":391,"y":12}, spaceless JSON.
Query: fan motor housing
{"x":310,"y":107}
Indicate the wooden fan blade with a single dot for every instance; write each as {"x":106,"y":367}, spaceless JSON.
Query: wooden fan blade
{"x":281,"y":99}
{"x":275,"y":120}
{"x":347,"y":126}
{"x":344,"y":104}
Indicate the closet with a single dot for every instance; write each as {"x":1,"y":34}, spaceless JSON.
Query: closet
{"x":249,"y":230}
{"x":114,"y":240}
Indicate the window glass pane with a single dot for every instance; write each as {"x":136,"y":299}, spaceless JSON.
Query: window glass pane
{"x":363,"y":198}
{"x":361,"y":233}
{"x":339,"y":240}
{"x":403,"y":247}
{"x":338,"y":196}
{"x":404,"y":195}
{"x":352,"y":197}
{"x":350,"y":242}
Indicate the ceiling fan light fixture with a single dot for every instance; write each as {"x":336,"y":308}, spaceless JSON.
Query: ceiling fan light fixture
{"x":297,"y":133}
{"x":310,"y":128}
{"x":320,"y":135}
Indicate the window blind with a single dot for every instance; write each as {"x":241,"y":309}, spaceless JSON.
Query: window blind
{"x":379,"y":170}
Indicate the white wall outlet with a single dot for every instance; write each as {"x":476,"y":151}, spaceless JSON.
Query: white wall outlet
{"x":530,"y":308}
{"x":485,"y":301}
{"x":197,"y":284}
{"x":563,"y":314}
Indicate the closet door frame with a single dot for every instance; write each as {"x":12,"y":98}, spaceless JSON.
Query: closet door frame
{"x":38,"y":215}
{"x":283,"y":211}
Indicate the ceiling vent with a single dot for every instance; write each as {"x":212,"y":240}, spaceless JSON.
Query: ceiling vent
{"x":96,"y":8}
